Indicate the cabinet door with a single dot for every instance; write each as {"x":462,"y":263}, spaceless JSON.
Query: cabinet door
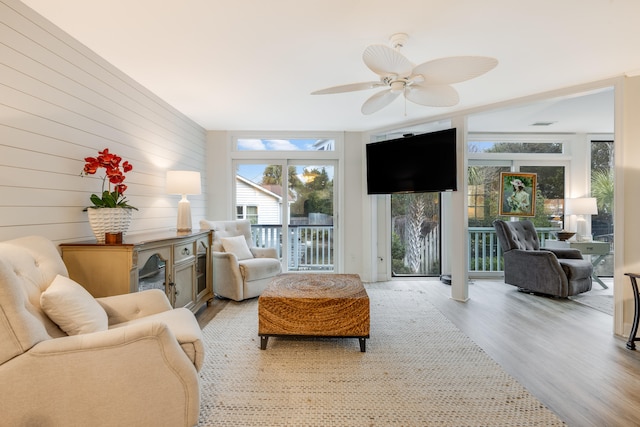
{"x":152,"y":269}
{"x":183,"y":280}
{"x":202,"y":267}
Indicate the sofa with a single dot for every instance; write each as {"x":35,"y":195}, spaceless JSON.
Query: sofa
{"x":556,"y":272}
{"x":241,"y":270}
{"x":68,"y":359}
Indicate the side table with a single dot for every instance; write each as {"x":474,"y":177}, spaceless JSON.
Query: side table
{"x":631,"y":345}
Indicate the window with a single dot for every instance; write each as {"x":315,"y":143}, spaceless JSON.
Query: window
{"x":257,"y":144}
{"x":287,"y":187}
{"x":247,"y":212}
{"x":550,"y":147}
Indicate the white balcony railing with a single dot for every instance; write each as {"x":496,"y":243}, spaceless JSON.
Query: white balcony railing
{"x":484,"y":251}
{"x":311,"y":247}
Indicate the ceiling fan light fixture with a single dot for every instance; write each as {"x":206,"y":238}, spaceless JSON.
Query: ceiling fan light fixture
{"x":397,"y":86}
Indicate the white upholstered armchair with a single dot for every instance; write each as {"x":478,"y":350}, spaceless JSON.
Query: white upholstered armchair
{"x":240,"y":269}
{"x":69,"y":359}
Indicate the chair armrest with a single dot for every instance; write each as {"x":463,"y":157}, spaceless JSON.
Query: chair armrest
{"x":227,"y":277}
{"x":264,"y":252}
{"x":122,"y":308}
{"x":537,"y":270}
{"x":525,"y":261}
{"x":90,"y":379}
{"x":565,"y":253}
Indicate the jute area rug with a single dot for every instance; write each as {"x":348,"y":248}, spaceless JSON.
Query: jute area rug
{"x":418,"y":370}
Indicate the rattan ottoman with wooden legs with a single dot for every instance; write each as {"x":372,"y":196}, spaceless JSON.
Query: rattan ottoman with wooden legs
{"x":314,"y":305}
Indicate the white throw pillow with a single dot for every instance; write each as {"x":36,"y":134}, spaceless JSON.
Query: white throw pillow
{"x":72,"y":307}
{"x":237,"y":245}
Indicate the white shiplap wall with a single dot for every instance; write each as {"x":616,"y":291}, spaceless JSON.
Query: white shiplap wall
{"x":60,"y":103}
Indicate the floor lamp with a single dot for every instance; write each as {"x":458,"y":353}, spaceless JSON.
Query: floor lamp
{"x":183,"y":183}
{"x":581,"y":206}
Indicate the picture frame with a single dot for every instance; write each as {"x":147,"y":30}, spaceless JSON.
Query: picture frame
{"x":518,"y":194}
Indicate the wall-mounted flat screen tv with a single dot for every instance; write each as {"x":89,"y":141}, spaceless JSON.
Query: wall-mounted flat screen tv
{"x":413,"y":164}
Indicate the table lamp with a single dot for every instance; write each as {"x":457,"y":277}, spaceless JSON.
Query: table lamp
{"x":581,"y":206}
{"x":183,"y":183}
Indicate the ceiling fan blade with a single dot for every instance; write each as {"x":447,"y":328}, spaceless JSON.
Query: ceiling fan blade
{"x":352,"y":87}
{"x":378,"y":101}
{"x":454,"y":69}
{"x":432,"y":95}
{"x":386,"y":61}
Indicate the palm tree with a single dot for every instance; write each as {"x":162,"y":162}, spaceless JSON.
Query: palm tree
{"x":602,"y":189}
{"x":414,"y":235}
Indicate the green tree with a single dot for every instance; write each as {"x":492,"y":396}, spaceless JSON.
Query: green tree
{"x":602,"y":188}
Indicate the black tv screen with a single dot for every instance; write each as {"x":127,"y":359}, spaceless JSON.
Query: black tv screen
{"x":413,"y":164}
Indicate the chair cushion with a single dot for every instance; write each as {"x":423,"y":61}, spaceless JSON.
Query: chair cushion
{"x":237,"y":245}
{"x":72,"y":307}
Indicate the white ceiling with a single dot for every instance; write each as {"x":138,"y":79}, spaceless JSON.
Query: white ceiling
{"x":251,"y":64}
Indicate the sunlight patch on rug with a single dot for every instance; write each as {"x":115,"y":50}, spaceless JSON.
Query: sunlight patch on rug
{"x":419,"y":370}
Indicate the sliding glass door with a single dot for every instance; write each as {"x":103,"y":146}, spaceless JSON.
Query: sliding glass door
{"x":415,"y":234}
{"x":291,"y":206}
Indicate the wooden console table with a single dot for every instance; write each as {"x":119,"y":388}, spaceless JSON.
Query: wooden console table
{"x":179,"y":263}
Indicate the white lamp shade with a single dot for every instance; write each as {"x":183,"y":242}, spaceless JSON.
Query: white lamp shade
{"x":183,"y":182}
{"x":581,"y":206}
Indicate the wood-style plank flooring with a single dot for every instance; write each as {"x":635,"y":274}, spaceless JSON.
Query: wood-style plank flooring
{"x":563,"y":352}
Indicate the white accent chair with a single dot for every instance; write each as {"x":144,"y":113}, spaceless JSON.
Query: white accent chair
{"x":126,"y":360}
{"x":239,"y":271}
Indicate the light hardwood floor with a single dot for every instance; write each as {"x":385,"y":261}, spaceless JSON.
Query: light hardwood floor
{"x":563,"y":352}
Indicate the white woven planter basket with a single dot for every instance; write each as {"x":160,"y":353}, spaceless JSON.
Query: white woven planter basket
{"x":109,"y":220}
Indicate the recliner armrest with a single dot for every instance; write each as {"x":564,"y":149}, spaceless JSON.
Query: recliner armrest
{"x":264,"y":252}
{"x":224,"y":257}
{"x":565,"y":253}
{"x":524,"y":261}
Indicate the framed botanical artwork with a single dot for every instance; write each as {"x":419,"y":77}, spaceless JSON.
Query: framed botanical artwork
{"x":517,"y":194}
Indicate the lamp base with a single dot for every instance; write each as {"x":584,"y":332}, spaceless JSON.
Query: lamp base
{"x":184,"y":214}
{"x":581,"y":230}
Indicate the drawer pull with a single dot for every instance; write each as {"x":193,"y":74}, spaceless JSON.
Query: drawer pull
{"x":186,"y":251}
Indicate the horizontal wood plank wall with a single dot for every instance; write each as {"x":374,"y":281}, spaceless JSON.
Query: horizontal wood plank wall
{"x":60,"y":103}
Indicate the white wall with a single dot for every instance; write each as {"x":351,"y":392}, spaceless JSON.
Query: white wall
{"x":60,"y":103}
{"x":354,"y":191}
{"x":627,"y":203}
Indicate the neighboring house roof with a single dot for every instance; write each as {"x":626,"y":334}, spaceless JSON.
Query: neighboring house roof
{"x":261,"y":188}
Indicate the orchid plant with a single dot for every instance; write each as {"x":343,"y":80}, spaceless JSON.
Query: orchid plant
{"x":114,"y":175}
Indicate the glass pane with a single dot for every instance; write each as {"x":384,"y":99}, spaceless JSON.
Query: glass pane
{"x":246,"y":144}
{"x":514,"y":147}
{"x":602,"y":188}
{"x":311,"y":218}
{"x":259,"y":199}
{"x":484,"y":194}
{"x":549,"y":195}
{"x":415,"y":234}
{"x":483,"y":200}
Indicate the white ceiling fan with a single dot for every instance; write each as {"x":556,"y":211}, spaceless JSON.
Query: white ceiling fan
{"x":426,"y":84}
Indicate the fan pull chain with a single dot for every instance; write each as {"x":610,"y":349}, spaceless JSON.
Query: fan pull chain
{"x":405,"y":102}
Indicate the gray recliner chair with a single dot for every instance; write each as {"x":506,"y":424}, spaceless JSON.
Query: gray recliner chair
{"x":240,"y":269}
{"x":557,"y":272}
